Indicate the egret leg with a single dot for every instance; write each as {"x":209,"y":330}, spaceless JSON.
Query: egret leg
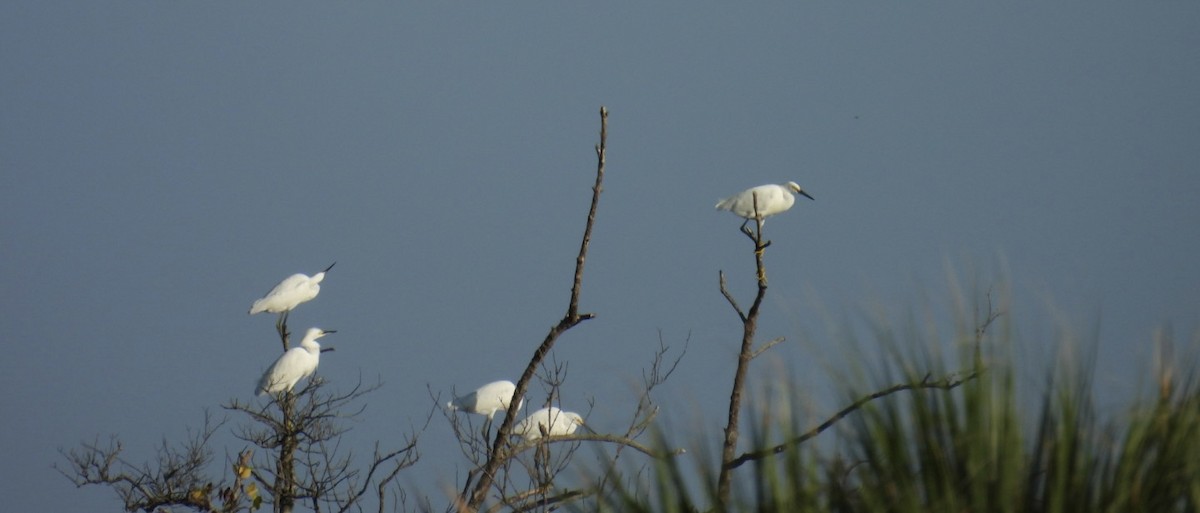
{"x":487,"y":427}
{"x":281,"y":327}
{"x":746,"y":231}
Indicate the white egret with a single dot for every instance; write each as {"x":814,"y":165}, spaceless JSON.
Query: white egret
{"x":772,"y":199}
{"x":553,"y":420}
{"x":487,"y":400}
{"x":295,"y":364}
{"x":290,"y":292}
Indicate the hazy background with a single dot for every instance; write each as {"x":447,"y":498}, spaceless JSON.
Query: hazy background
{"x":163,"y":164}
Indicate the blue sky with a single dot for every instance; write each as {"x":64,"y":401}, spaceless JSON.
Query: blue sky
{"x":165,"y":163}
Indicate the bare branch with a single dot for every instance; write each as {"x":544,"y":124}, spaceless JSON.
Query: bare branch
{"x":946,"y":383}
{"x":765,"y":347}
{"x":176,"y":478}
{"x":508,"y":501}
{"x":729,"y":297}
{"x":302,"y":431}
{"x":551,"y":503}
{"x":646,"y":410}
{"x":613,"y":439}
{"x":745,"y":355}
{"x":981,"y":327}
{"x":488,"y":473}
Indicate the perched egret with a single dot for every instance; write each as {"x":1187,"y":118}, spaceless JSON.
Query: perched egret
{"x":489,"y":399}
{"x":772,"y":199}
{"x":555,"y":421}
{"x":295,"y":364}
{"x":290,"y":292}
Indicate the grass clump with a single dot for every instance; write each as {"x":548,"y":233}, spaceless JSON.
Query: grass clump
{"x":984,"y":444}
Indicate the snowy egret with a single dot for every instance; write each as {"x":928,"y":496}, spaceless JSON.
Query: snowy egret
{"x":772,"y":199}
{"x":553,"y":420}
{"x":487,"y":400}
{"x":295,"y":364}
{"x":290,"y":292}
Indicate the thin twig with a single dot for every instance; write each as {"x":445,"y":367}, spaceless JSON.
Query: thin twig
{"x":646,"y":411}
{"x":551,"y":502}
{"x":613,"y":439}
{"x":729,"y":297}
{"x":765,"y":347}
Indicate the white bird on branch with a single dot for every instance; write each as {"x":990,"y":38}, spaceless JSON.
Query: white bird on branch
{"x":290,"y":292}
{"x":772,"y":199}
{"x":553,"y":421}
{"x":295,"y":364}
{"x":487,"y":400}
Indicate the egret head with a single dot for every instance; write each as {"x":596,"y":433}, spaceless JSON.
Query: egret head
{"x":573,"y":422}
{"x":310,"y":337}
{"x":575,"y":418}
{"x":795,"y":187}
{"x":321,"y":275}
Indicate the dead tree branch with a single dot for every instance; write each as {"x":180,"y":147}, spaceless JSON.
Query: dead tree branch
{"x":550,"y":503}
{"x":765,"y":347}
{"x":595,"y":437}
{"x":301,"y":432}
{"x":176,"y":478}
{"x":572,"y":318}
{"x":946,"y":383}
{"x":659,"y":371}
{"x":745,"y":355}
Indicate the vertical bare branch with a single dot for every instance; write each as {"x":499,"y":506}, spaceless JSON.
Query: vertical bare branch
{"x":500,"y":445}
{"x":601,"y":152}
{"x":749,"y":326}
{"x":284,"y":489}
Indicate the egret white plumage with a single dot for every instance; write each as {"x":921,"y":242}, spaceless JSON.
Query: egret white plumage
{"x":293,"y":290}
{"x":487,"y":400}
{"x":772,"y":199}
{"x":553,"y":420}
{"x":295,"y":364}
